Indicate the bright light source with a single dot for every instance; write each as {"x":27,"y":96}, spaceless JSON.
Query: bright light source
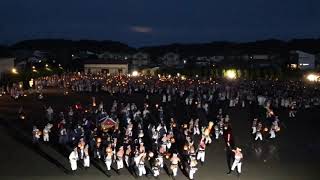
{"x":178,"y":74}
{"x":313,"y":77}
{"x":231,"y":74}
{"x":197,"y":76}
{"x":184,"y":61}
{"x":31,"y":82}
{"x":33,"y":67}
{"x":14,"y":71}
{"x":183,"y":78}
{"x":59,"y":65}
{"x":47,"y":65}
{"x":135,"y":73}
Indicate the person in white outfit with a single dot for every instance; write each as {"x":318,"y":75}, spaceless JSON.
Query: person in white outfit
{"x":259,"y":133}
{"x":120,"y":154}
{"x":193,"y":167}
{"x":141,"y":167}
{"x":174,"y":164}
{"x":238,"y":156}
{"x":156,"y":168}
{"x":201,"y":151}
{"x":86,"y":158}
{"x":254,"y":125}
{"x":216,"y":131}
{"x":108,"y":159}
{"x":272,"y":132}
{"x":196,"y":129}
{"x":73,"y":158}
{"x":46,"y":132}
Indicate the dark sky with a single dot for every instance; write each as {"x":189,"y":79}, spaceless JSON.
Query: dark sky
{"x":150,"y":22}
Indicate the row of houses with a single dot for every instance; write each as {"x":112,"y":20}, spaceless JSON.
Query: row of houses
{"x":114,"y":63}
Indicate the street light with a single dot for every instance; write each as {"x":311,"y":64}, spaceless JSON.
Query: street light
{"x":313,"y":77}
{"x":14,"y":71}
{"x":231,"y":74}
{"x":135,"y":73}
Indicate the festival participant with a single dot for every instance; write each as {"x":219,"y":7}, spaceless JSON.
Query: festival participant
{"x":36,"y":133}
{"x":228,"y":138}
{"x":206,"y":133}
{"x":127,"y":155}
{"x":201,"y":151}
{"x":254,"y":125}
{"x":272,"y":132}
{"x":141,"y":164}
{"x":216,"y":131}
{"x":174,"y":161}
{"x":46,"y":131}
{"x":120,"y":154}
{"x":238,"y":156}
{"x":259,"y":132}
{"x":86,"y":158}
{"x":156,"y":168}
{"x":73,"y":158}
{"x":49,"y":113}
{"x":108,"y":158}
{"x":192,"y":167}
{"x":196,"y":129}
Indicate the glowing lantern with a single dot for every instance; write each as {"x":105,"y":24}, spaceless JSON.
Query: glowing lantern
{"x":94,"y":102}
{"x":99,"y":140}
{"x":266,"y":129}
{"x":167,"y":155}
{"x":174,"y":125}
{"x":151,"y":154}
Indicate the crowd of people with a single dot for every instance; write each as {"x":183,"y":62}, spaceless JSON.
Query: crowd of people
{"x":170,"y":133}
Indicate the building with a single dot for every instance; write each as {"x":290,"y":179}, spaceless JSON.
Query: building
{"x":171,"y":59}
{"x":202,"y":61}
{"x":217,"y":58}
{"x":140,"y":59}
{"x":302,"y":60}
{"x":6,"y":65}
{"x":113,"y":67}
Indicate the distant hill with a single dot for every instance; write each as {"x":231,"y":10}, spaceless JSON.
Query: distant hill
{"x":185,"y":50}
{"x":57,"y":44}
{"x":221,"y":48}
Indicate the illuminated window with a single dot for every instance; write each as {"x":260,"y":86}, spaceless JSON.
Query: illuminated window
{"x":293,"y":66}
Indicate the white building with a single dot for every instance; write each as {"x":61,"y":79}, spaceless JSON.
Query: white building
{"x":140,"y":59}
{"x":171,"y":59}
{"x":305,"y":60}
{"x":216,"y":58}
{"x":106,"y":66}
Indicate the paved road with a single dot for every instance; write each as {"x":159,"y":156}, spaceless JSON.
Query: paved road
{"x":291,"y":156}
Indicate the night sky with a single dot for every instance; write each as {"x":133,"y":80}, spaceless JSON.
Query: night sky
{"x":153,"y":22}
